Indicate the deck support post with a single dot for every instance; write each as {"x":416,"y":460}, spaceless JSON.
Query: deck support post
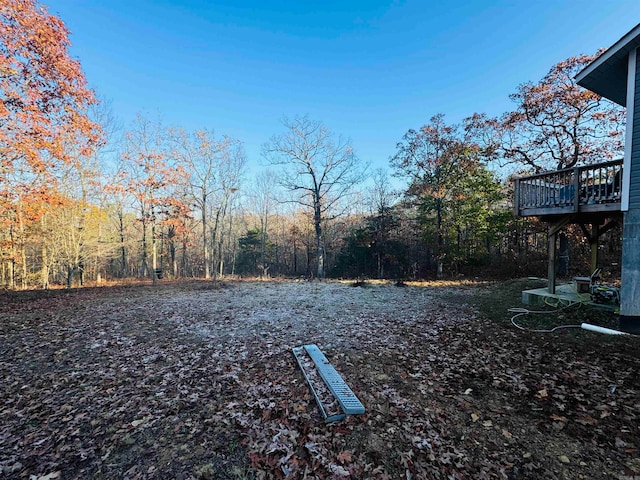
{"x":551,"y":273}
{"x":552,"y":236}
{"x":593,"y":237}
{"x":562,"y":263}
{"x":593,"y":243}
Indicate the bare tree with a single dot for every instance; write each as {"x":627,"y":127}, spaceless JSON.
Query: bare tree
{"x":214,"y":167}
{"x":105,"y":160}
{"x":264,"y":198}
{"x":319,"y":168}
{"x":382,"y":196}
{"x":380,"y":200}
{"x":231,"y":169}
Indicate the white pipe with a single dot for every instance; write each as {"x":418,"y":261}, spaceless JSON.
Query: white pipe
{"x":608,"y":331}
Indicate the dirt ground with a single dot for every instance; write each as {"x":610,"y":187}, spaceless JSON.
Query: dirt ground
{"x":190,"y":382}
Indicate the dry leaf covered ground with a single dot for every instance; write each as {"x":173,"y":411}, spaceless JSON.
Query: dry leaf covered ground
{"x":186,"y":381}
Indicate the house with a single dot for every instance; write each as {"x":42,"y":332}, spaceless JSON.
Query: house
{"x":604,"y":194}
{"x":616,"y":75}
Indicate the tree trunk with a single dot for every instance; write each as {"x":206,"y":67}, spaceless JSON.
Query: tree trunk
{"x":145,"y":265}
{"x":263,"y":246}
{"x":123,"y":252}
{"x":214,"y":242}
{"x":295,"y":258}
{"x":11,"y":267}
{"x":69,"y":276}
{"x":23,"y":255}
{"x":23,"y":251}
{"x":440,"y":241}
{"x":12,"y":262}
{"x":174,"y":259}
{"x":98,"y":256}
{"x":563,"y":255}
{"x":220,"y":254}
{"x":233,"y":261}
{"x":183,"y":259}
{"x":205,"y":242}
{"x":154,"y":255}
{"x":317,"y":223}
{"x":45,"y":268}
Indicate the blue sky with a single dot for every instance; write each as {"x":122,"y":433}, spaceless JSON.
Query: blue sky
{"x":369,"y":70}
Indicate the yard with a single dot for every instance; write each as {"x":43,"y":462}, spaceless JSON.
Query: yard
{"x":193,"y":382}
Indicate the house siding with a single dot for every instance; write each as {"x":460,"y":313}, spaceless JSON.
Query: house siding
{"x":634,"y":186}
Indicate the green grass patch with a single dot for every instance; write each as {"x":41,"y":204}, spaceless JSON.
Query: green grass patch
{"x":495,"y":301}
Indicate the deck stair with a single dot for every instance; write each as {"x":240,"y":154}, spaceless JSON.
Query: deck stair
{"x":334,"y":397}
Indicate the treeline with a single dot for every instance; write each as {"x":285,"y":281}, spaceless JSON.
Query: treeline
{"x":83,"y":200}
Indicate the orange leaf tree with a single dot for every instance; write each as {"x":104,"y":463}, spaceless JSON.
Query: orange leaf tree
{"x":453,"y":191}
{"x":556,"y":124}
{"x":149,"y":177}
{"x":43,"y":106}
{"x":43,"y":92}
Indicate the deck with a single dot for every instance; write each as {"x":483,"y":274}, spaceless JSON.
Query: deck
{"x":590,"y":189}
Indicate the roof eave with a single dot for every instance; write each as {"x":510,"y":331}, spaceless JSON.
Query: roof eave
{"x":606,"y":75}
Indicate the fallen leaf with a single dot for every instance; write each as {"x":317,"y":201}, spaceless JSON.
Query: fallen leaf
{"x":51,"y":476}
{"x":586,"y":420}
{"x":339,"y":471}
{"x":345,"y":457}
{"x":620,"y":443}
{"x":474,"y":417}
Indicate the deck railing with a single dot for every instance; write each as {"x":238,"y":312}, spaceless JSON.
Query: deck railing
{"x":588,"y":188}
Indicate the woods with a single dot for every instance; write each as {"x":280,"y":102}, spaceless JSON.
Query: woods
{"x":84,"y":201}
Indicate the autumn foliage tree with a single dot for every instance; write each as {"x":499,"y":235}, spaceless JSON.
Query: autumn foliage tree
{"x":43,"y":109}
{"x":448,"y":182}
{"x":43,"y":92}
{"x":556,"y":123}
{"x":149,"y":179}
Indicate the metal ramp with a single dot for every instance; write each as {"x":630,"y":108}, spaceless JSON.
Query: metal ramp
{"x":334,"y":397}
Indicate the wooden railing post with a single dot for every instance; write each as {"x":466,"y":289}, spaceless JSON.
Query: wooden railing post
{"x":576,"y":186}
{"x":516,"y":197}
